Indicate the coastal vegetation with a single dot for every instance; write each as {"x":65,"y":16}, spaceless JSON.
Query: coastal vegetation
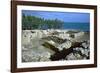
{"x":34,"y":22}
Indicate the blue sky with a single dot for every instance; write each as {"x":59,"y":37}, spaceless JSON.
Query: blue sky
{"x":64,"y":16}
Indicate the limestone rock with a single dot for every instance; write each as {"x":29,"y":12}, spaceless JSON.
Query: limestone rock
{"x":66,"y":45}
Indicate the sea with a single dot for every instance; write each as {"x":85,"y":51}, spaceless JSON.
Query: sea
{"x":76,"y":26}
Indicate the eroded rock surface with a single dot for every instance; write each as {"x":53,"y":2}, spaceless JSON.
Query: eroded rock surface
{"x":51,"y":45}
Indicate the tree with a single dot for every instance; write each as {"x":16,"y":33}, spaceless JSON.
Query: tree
{"x":33,"y":22}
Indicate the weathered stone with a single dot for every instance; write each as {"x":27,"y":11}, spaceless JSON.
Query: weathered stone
{"x":39,"y":45}
{"x":66,"y":45}
{"x":70,"y":57}
{"x":33,"y":56}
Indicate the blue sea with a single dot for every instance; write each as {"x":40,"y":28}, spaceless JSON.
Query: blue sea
{"x":77,"y":26}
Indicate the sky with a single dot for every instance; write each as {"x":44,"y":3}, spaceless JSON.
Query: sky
{"x":63,"y":16}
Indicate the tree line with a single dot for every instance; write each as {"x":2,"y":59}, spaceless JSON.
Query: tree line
{"x":33,"y":22}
